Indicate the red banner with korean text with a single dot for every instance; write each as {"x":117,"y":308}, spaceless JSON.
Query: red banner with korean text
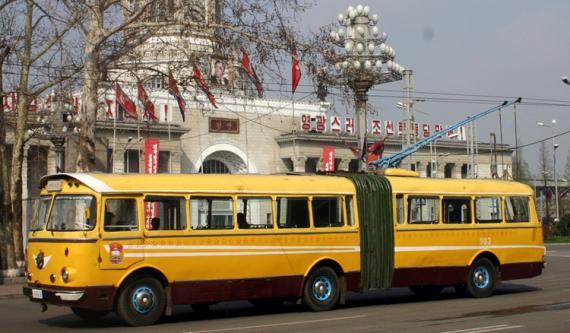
{"x":328,"y":159}
{"x":151,"y":150}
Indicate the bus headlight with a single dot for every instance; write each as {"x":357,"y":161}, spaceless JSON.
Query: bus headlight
{"x":65,"y":274}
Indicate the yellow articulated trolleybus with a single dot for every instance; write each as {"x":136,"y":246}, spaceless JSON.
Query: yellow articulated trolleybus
{"x":140,"y":244}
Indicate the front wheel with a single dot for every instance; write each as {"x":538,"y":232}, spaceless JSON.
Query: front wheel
{"x":321,"y":291}
{"x":89,"y":315}
{"x":481,"y":279}
{"x":141,"y":302}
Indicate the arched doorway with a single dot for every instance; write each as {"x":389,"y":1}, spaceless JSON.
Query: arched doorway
{"x":224,"y":158}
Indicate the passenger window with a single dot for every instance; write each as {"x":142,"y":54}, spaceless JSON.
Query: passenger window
{"x":349,"y":202}
{"x":423,"y":210}
{"x":121,"y":215}
{"x":211,"y":213}
{"x":327,"y":212}
{"x":517,"y":209}
{"x":293,"y":212}
{"x":456,"y":210}
{"x":254,"y":213}
{"x":400,"y":208}
{"x":488,"y":210}
{"x":165,"y":213}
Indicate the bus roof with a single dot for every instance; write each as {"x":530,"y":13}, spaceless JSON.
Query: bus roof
{"x":457,"y":186}
{"x":212,"y":183}
{"x":286,"y":184}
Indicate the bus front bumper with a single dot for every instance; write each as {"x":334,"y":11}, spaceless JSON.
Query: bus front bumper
{"x":96,"y":298}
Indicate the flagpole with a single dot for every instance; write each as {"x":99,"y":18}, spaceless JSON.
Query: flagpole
{"x":246,"y":137}
{"x":139,"y":136}
{"x":114,"y":137}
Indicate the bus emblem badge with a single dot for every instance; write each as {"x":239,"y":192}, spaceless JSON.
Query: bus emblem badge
{"x":40,"y":260}
{"x":116,"y":253}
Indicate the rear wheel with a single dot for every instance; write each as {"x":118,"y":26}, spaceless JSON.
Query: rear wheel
{"x":141,"y":302}
{"x":88,"y":314}
{"x":426,"y":291}
{"x":481,"y":278}
{"x":321,"y":291}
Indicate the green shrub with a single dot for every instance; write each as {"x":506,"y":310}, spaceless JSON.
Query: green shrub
{"x":563,"y":227}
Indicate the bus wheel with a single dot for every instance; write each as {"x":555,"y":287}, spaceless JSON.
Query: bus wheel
{"x":321,"y":291}
{"x":141,"y":302}
{"x":426,"y":291}
{"x":88,"y":314}
{"x":481,"y":278}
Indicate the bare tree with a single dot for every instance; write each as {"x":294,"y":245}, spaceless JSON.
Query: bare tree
{"x":34,"y":51}
{"x":545,"y":167}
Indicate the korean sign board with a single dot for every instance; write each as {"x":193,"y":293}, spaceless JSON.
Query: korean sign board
{"x":347,"y":125}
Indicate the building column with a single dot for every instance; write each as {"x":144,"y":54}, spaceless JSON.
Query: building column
{"x":421,"y":169}
{"x":319,"y":166}
{"x":299,"y":163}
{"x":343,"y":164}
{"x":118,"y":163}
{"x":175,"y":162}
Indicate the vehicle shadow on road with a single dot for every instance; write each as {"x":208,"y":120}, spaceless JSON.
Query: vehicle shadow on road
{"x":237,"y":309}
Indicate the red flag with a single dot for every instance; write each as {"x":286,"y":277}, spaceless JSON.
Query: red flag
{"x":377,"y":148}
{"x":202,"y":84}
{"x":173,"y":90}
{"x":125,"y":103}
{"x":146,"y":102}
{"x":296,"y":71}
{"x":355,"y":151}
{"x":251,"y":72}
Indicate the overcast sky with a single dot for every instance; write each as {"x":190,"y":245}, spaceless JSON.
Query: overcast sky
{"x":505,"y":48}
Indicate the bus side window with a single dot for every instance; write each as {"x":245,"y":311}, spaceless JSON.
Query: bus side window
{"x":517,"y":209}
{"x":293,"y":212}
{"x":211,"y":213}
{"x":121,"y":215}
{"x":456,"y":210}
{"x":423,"y":210}
{"x":349,"y":202}
{"x":165,"y":213}
{"x":254,"y":213}
{"x":488,"y":210}
{"x":327,"y":212}
{"x":400,"y":208}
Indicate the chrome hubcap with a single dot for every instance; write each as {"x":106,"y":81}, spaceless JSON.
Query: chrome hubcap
{"x":481,"y":277}
{"x":143,"y":300}
{"x":322,"y":288}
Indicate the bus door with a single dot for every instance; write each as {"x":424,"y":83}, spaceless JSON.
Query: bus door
{"x":121,"y":233}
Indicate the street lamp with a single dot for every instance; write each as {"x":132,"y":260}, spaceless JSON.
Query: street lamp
{"x":361,"y":62}
{"x":565,"y":80}
{"x":57,"y":125}
{"x":554,"y":148}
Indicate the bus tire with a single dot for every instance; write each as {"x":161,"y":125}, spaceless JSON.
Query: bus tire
{"x":141,"y":301}
{"x":426,"y":291}
{"x":481,"y":278}
{"x":321,"y":291}
{"x":88,"y":314}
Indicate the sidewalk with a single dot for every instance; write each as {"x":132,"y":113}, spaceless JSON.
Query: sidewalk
{"x":12,"y":287}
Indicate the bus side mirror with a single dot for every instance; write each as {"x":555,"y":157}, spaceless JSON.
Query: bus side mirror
{"x":87,"y":213}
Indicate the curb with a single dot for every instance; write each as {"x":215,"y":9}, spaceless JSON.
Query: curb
{"x":556,"y":244}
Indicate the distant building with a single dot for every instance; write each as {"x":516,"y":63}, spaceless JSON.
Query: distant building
{"x":246,"y":134}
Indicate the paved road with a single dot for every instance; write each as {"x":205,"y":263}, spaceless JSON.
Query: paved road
{"x":536,"y":305}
